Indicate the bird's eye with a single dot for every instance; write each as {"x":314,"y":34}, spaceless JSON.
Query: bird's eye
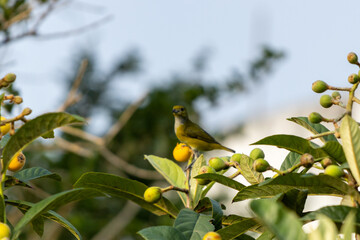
{"x":182,"y":109}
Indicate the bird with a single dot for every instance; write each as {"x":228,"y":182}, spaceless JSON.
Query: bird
{"x":192,"y":134}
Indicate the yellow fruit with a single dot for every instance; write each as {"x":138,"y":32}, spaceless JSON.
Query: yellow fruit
{"x":4,"y":128}
{"x":152,"y":194}
{"x":182,"y":152}
{"x":4,"y":231}
{"x":212,"y":236}
{"x":17,"y":162}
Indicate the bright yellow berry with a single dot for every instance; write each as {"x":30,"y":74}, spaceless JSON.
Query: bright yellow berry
{"x":4,"y":231}
{"x":17,"y":162}
{"x":152,"y":194}
{"x":182,"y":152}
{"x":212,"y":236}
{"x":4,"y":128}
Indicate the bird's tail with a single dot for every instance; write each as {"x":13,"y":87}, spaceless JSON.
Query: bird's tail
{"x":227,"y":149}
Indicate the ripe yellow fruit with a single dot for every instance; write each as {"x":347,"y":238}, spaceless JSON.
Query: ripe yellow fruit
{"x":17,"y":162}
{"x":4,"y":231}
{"x":212,"y":236}
{"x":182,"y":152}
{"x":4,"y":129}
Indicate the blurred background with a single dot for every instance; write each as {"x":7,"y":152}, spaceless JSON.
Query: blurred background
{"x":240,"y":67}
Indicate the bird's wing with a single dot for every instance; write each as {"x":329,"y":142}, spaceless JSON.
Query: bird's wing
{"x":195,"y":131}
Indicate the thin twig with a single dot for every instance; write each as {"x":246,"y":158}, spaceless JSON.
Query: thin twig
{"x":123,"y":119}
{"x":72,"y":96}
{"x":73,"y":147}
{"x":83,"y":135}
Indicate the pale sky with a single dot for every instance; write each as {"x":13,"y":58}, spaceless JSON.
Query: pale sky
{"x":315,"y":35}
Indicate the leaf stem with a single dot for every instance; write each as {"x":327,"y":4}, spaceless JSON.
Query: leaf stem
{"x":320,"y":135}
{"x":351,"y":98}
{"x":184,"y":190}
{"x":237,"y":173}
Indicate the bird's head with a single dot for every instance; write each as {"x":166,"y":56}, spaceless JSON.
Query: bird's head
{"x":179,"y":111}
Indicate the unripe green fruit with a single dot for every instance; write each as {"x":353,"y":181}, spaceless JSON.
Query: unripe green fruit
{"x":336,"y":95}
{"x":26,"y":111}
{"x":352,"y":58}
{"x":326,"y":162}
{"x":319,"y":86}
{"x":4,"y":231}
{"x":334,"y":171}
{"x":315,"y":117}
{"x":353,"y":78}
{"x":205,"y":169}
{"x":212,"y":236}
{"x":10,"y":77}
{"x":152,"y":194}
{"x":236,"y":158}
{"x":257,"y":153}
{"x":307,"y":160}
{"x":217,"y":163}
{"x":261,"y":165}
{"x":326,"y":101}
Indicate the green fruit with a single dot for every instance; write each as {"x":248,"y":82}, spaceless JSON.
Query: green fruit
{"x":336,"y":95}
{"x":10,"y":77}
{"x":217,"y":163}
{"x":352,"y":58}
{"x":353,"y":78}
{"x":307,"y":160}
{"x":261,"y":165}
{"x":152,"y":194}
{"x":315,"y":117}
{"x":205,"y":169}
{"x":326,"y":101}
{"x":334,"y":171}
{"x":319,"y":86}
{"x":257,"y":153}
{"x":236,"y":158}
{"x":326,"y":162}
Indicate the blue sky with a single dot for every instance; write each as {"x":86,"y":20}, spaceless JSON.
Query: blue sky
{"x":316,"y":36}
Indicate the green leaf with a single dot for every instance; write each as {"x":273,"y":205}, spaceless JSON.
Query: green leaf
{"x":51,"y":215}
{"x":48,"y":135}
{"x":295,"y":200}
{"x":300,"y":145}
{"x":315,"y":128}
{"x":4,"y":140}
{"x":29,"y":174}
{"x":221,"y":179}
{"x":267,"y":235}
{"x":217,"y":212}
{"x":11,"y":181}
{"x":336,"y":213}
{"x":34,"y":129}
{"x":2,"y":209}
{"x":161,"y":233}
{"x":172,"y":173}
{"x":116,"y":186}
{"x":291,"y":159}
{"x":248,"y":171}
{"x":196,"y":189}
{"x":280,"y":221}
{"x":348,"y":228}
{"x":193,"y":225}
{"x":350,"y":137}
{"x":52,"y":202}
{"x":315,"y":184}
{"x":325,"y":231}
{"x":237,"y":229}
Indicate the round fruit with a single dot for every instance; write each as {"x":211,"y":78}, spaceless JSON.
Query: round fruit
{"x":326,"y":101}
{"x":326,"y":162}
{"x":352,"y":58}
{"x":152,"y":194}
{"x":307,"y":160}
{"x":217,"y":163}
{"x":212,"y":236}
{"x":205,"y":169}
{"x":4,"y":231}
{"x":261,"y":165}
{"x":315,"y":117}
{"x":336,"y":95}
{"x":319,"y":86}
{"x":10,"y":77}
{"x":17,"y":162}
{"x":334,"y":170}
{"x":257,"y":153}
{"x":236,"y":158}
{"x":4,"y":128}
{"x":353,"y":78}
{"x":182,"y":152}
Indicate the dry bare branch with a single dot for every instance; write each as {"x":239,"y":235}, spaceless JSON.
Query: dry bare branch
{"x":73,"y":147}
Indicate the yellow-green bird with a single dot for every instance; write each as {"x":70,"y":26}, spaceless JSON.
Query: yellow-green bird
{"x":192,"y":134}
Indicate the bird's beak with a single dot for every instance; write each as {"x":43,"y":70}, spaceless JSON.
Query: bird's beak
{"x":175,"y":110}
